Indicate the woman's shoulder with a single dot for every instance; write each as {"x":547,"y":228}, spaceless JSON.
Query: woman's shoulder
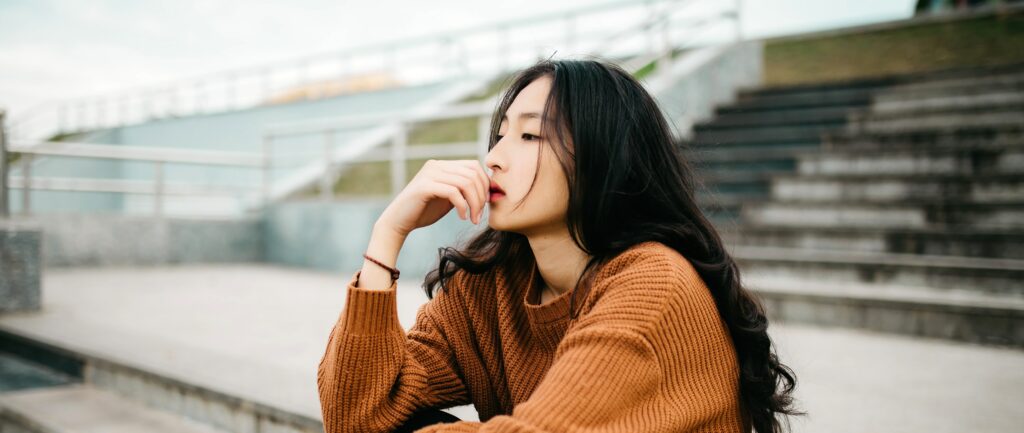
{"x":650,"y":277}
{"x":646,"y":260}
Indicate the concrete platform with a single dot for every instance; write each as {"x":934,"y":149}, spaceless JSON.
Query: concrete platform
{"x":84,"y":409}
{"x":257,"y":332}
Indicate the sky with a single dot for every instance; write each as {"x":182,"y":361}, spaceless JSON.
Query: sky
{"x":60,"y":49}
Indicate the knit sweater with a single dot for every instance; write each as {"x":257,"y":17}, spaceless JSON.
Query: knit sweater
{"x":647,"y":352}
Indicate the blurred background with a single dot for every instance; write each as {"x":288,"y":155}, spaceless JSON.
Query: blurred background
{"x":186,"y":187}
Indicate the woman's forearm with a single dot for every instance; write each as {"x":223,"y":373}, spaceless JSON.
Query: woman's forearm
{"x":384,"y":246}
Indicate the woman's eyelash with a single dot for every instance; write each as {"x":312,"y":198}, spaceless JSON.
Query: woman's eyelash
{"x":499,"y":137}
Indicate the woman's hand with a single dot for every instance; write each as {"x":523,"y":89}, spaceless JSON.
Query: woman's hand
{"x":438,"y":187}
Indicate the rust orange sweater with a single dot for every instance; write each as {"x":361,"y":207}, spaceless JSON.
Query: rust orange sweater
{"x":646,"y":353}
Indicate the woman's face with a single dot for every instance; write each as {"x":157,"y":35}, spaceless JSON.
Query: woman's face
{"x":513,"y":161}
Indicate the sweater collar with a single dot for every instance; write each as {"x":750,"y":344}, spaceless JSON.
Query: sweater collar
{"x":554,"y":311}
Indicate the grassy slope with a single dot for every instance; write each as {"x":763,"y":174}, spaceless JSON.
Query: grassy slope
{"x":983,"y":41}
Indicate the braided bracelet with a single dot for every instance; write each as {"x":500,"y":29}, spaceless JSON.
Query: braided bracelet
{"x":394,"y":272}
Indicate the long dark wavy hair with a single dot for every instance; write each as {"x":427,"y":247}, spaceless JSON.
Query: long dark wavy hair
{"x":629,"y":183}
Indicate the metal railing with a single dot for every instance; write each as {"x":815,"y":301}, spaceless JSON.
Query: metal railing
{"x":658,"y":22}
{"x":158,"y":187}
{"x":488,"y":49}
{"x":399,"y":151}
{"x":400,"y":124}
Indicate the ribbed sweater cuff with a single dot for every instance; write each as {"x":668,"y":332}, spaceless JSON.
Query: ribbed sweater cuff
{"x":370,"y":311}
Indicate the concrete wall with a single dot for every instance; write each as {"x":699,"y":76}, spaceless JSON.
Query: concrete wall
{"x":333,"y":236}
{"x":704,"y":79}
{"x":329,"y":236}
{"x":119,"y":240}
{"x":20,"y":266}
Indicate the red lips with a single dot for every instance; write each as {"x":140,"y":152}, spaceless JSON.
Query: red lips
{"x":496,"y":188}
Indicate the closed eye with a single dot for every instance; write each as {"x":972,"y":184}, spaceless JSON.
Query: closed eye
{"x":499,"y":137}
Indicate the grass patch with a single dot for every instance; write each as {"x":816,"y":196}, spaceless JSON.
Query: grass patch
{"x":983,"y":41}
{"x":371,"y":179}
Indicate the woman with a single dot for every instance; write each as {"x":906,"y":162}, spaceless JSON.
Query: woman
{"x":598,"y":299}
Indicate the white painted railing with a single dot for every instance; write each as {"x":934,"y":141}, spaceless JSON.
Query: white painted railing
{"x":657,"y":24}
{"x":487,"y":49}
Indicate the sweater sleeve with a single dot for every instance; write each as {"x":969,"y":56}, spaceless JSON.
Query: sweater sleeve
{"x":373,"y":375}
{"x":602,"y":380}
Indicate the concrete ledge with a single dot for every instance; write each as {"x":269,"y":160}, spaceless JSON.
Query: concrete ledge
{"x":914,"y":313}
{"x":72,"y":240}
{"x":75,"y":408}
{"x":161,"y":392}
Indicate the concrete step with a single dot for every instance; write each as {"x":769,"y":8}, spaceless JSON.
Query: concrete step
{"x":936,"y":274}
{"x":723,"y":177}
{"x":927,"y":214}
{"x":976,"y":318}
{"x":860,"y":83}
{"x":82,"y":408}
{"x":160,"y":392}
{"x":814,"y":98}
{"x":1004,"y":81}
{"x":768,"y":135}
{"x":826,"y":116}
{"x":965,"y":242}
{"x":17,"y":373}
{"x":953,"y":136}
{"x":972,"y":188}
{"x":940,"y":122}
{"x":977,"y":100}
{"x":728,"y":182}
{"x":958,"y":76}
{"x":750,"y":153}
{"x":758,"y":189}
{"x":759,"y":166}
{"x":913,"y":160}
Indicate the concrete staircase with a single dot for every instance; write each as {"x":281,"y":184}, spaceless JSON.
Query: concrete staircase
{"x":894,"y":204}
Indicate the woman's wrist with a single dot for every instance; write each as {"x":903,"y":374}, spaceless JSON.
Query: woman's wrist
{"x":385,"y":245}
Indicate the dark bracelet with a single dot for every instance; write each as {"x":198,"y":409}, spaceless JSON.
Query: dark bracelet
{"x":394,"y":272}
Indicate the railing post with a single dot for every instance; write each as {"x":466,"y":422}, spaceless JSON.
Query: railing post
{"x":122,"y":111}
{"x":398,"y":159}
{"x":570,"y":32}
{"x":62,"y":118}
{"x":5,"y":211}
{"x":199,"y":99}
{"x":268,"y":142}
{"x":652,"y":13}
{"x":483,"y":132}
{"x":172,"y":101}
{"x":265,"y":83}
{"x":229,"y":92}
{"x":158,"y":197}
{"x":503,"y":48}
{"x":26,"y":183}
{"x":327,"y":180}
{"x":738,"y":16}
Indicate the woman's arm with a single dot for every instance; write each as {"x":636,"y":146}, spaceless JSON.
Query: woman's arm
{"x":373,"y":375}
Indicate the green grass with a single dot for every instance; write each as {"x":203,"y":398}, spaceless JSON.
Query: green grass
{"x":984,"y":41}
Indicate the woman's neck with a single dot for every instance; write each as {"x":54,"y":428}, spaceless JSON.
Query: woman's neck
{"x":559,"y":260}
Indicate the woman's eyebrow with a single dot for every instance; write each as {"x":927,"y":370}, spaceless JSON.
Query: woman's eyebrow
{"x":529,"y":115}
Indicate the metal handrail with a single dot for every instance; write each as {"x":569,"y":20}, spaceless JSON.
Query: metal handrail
{"x":157,"y":155}
{"x":238,"y":88}
{"x":400,"y":122}
{"x":397,"y":154}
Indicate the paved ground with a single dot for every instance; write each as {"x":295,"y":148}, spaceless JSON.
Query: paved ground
{"x":259,"y":331}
